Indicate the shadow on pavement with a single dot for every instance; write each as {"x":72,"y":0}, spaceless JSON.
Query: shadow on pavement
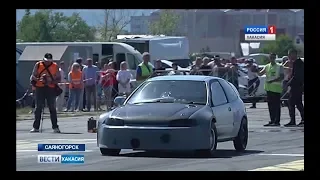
{"x":177,"y":154}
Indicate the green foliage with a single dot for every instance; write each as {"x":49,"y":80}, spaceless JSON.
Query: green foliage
{"x":46,"y":26}
{"x":166,"y":24}
{"x":281,"y":46}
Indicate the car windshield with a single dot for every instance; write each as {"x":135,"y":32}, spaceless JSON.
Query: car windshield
{"x":166,"y":91}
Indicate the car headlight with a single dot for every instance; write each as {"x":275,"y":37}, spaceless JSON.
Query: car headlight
{"x":114,"y":122}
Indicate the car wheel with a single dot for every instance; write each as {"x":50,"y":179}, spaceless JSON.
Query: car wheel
{"x":109,"y":152}
{"x":213,"y":143}
{"x":241,"y":141}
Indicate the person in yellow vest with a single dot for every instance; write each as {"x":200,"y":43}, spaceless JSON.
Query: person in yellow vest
{"x":45,"y":77}
{"x":75,"y":86}
{"x":273,"y":87}
{"x":144,"y":69}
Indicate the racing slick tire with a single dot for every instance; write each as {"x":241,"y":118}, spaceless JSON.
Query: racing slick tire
{"x":213,"y":143}
{"x":240,"y":142}
{"x":110,"y":152}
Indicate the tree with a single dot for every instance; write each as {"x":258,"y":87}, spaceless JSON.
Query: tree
{"x":49,"y":26}
{"x":281,"y":46}
{"x":166,"y":24}
{"x":114,"y":23}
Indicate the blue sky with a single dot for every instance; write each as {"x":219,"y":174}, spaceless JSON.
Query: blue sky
{"x":92,"y":17}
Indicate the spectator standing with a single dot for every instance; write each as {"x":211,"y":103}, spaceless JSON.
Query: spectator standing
{"x":83,"y":93}
{"x":175,"y":70}
{"x":123,"y":77}
{"x":158,"y":67}
{"x":90,"y":74}
{"x":218,"y":68}
{"x":205,"y":67}
{"x":60,"y":101}
{"x":107,"y":82}
{"x":99,"y":87}
{"x":196,"y":67}
{"x":273,"y":87}
{"x":253,"y":81}
{"x":295,"y":87}
{"x":144,"y":69}
{"x":45,"y":77}
{"x":75,"y":79}
{"x":287,"y":68}
{"x":115,"y":88}
{"x":233,"y":74}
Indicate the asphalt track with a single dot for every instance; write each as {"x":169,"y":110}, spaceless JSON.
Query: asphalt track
{"x":268,"y":147}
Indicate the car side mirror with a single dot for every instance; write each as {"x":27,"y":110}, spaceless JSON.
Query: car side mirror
{"x":119,"y":100}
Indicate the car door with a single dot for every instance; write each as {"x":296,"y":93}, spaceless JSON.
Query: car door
{"x":235,"y":104}
{"x":221,"y":110}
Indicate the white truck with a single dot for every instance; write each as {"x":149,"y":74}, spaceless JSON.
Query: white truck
{"x":171,"y":48}
{"x":102,"y":51}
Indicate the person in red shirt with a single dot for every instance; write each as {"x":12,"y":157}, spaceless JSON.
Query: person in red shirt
{"x":108,"y":81}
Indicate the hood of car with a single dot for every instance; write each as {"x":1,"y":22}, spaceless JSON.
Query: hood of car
{"x":148,"y":112}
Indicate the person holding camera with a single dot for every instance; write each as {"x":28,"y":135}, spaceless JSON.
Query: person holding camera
{"x":45,"y":78}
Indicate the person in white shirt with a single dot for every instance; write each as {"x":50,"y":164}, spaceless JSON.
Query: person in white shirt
{"x":254,"y":81}
{"x":123,"y":77}
{"x":60,"y":101}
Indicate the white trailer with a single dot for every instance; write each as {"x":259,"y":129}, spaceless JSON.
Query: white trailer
{"x":171,"y":48}
{"x":102,"y":51}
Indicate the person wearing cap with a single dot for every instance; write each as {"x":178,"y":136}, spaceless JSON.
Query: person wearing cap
{"x":253,"y":81}
{"x":45,"y":77}
{"x":273,"y":87}
{"x":295,"y":88}
{"x":144,"y":69}
{"x":90,"y":74}
{"x":60,"y":99}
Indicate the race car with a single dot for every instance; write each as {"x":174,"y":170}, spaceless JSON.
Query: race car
{"x":182,"y":112}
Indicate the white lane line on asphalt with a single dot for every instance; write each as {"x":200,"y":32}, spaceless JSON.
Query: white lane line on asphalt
{"x":292,"y":155}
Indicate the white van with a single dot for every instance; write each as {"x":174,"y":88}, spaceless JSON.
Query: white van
{"x":171,"y":48}
{"x":102,"y":51}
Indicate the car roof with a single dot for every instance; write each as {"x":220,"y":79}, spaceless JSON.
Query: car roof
{"x":183,"y":78}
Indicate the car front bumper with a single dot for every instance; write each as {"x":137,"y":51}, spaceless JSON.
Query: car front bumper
{"x":153,"y":138}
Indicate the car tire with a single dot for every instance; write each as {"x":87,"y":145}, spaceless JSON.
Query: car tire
{"x":110,"y":152}
{"x":241,"y":141}
{"x":213,"y":143}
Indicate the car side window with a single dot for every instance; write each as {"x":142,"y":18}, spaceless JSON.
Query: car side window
{"x":231,"y":95}
{"x":217,"y":94}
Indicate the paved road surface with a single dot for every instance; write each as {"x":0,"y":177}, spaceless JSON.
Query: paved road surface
{"x":268,"y":146}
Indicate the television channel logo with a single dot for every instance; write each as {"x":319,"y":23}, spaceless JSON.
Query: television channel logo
{"x":260,"y":33}
{"x":61,"y":159}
